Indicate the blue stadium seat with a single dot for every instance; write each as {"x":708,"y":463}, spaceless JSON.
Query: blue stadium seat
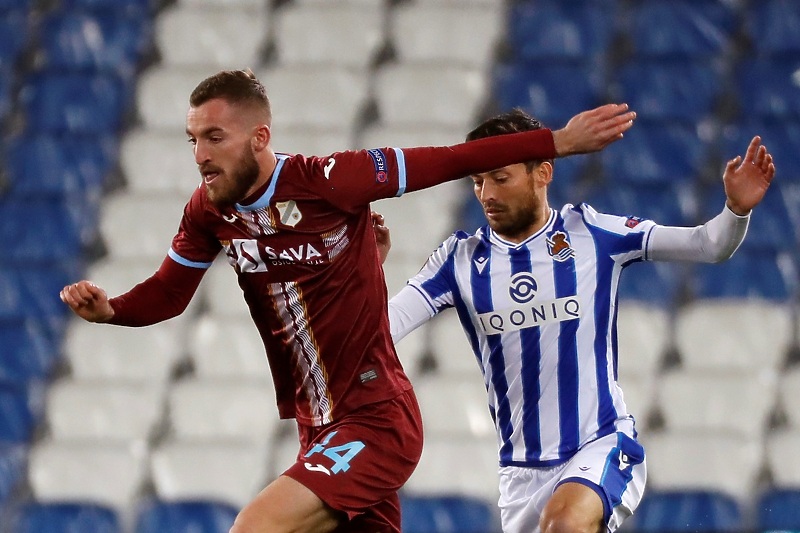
{"x":447,"y":514}
{"x":550,"y":30}
{"x":651,"y":283}
{"x":769,"y":88}
{"x":46,"y":229}
{"x":126,"y":6}
{"x":74,"y":103}
{"x":748,"y":274}
{"x":20,"y":409}
{"x":687,"y":511}
{"x":65,"y":518}
{"x":59,"y":165}
{"x":6,"y":79}
{"x":13,"y":35}
{"x":550,"y":91}
{"x":26,"y":351}
{"x":778,"y":510}
{"x":773,"y":26}
{"x":661,"y":203}
{"x":13,"y":5}
{"x":685,"y":90}
{"x":98,"y":40}
{"x":780,"y":136}
{"x":31,"y":291}
{"x":682,"y":28}
{"x":656,"y":153}
{"x":185,"y":517}
{"x":13,"y":459}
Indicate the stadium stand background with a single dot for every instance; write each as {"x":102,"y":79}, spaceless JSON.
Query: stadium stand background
{"x":174,"y":427}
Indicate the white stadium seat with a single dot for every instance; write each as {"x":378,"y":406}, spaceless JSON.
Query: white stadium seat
{"x":302,"y":140}
{"x":134,"y":226}
{"x":781,"y":449}
{"x":230,"y":472}
{"x":789,"y":392}
{"x":158,"y":161}
{"x":162,"y":96}
{"x":641,"y":395}
{"x":451,"y":347}
{"x":219,"y":36}
{"x":205,"y":409}
{"x":405,"y":136}
{"x":109,"y":411}
{"x":454,"y":406}
{"x":735,"y":402}
{"x":711,"y":460}
{"x":100,"y":351}
{"x":735,"y":333}
{"x":103,"y":473}
{"x":643,"y":333}
{"x":343,"y":35}
{"x":436,"y":95}
{"x":228,"y":347}
{"x":326,"y":98}
{"x":455,"y":465}
{"x":221,"y":291}
{"x":446,"y":33}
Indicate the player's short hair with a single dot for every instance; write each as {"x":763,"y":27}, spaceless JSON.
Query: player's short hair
{"x":514,"y":121}
{"x":235,"y":87}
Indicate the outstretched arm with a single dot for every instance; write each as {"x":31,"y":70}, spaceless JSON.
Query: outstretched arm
{"x":746,"y":181}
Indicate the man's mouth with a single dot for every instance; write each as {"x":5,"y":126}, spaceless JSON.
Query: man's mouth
{"x":209,"y":176}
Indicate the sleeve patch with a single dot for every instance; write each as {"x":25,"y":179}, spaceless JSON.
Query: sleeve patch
{"x":379,"y":160}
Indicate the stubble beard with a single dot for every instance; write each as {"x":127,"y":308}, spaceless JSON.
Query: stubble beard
{"x":236,"y":183}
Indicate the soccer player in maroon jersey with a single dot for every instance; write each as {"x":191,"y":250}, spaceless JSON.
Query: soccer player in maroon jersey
{"x":298,"y":233}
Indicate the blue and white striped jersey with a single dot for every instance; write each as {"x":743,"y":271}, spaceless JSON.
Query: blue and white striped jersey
{"x":541,"y":319}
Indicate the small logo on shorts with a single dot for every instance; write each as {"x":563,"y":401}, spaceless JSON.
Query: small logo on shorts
{"x":584,"y":468}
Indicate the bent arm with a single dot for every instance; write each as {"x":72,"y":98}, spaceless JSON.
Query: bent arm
{"x":408,"y":310}
{"x":713,"y":242}
{"x":160,"y":297}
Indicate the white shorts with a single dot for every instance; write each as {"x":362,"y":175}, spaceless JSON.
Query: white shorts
{"x":613,"y":466}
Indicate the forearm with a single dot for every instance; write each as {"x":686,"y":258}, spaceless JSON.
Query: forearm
{"x":162,"y":296}
{"x":408,"y":310}
{"x":429,"y":166}
{"x":714,"y":241}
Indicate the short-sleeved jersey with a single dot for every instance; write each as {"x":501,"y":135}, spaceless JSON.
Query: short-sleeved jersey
{"x":306,"y":259}
{"x":541,"y":319}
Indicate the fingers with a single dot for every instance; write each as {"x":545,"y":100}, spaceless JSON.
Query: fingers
{"x":752,"y":150}
{"x":80,"y":294}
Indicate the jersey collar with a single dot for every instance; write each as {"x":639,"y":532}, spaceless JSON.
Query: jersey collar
{"x":264,"y":199}
{"x":494,"y":238}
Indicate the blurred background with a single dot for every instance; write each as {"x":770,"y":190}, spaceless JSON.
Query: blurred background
{"x":174,"y":427}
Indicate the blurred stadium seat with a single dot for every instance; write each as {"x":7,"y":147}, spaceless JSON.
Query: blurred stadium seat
{"x":773,"y":26}
{"x":110,"y":474}
{"x":686,"y":511}
{"x":682,"y":28}
{"x":789,"y":392}
{"x":101,"y":410}
{"x":778,"y":510}
{"x":781,"y":446}
{"x":453,"y":43}
{"x":13,"y":461}
{"x":184,"y":517}
{"x":65,"y":517}
{"x":454,"y":405}
{"x":358,"y":29}
{"x":20,"y":411}
{"x":216,"y":37}
{"x":27,"y":352}
{"x":769,"y":88}
{"x":228,"y":348}
{"x":448,"y":514}
{"x":158,"y":162}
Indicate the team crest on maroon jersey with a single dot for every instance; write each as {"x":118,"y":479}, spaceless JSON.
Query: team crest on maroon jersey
{"x":289,"y":213}
{"x":558,"y":246}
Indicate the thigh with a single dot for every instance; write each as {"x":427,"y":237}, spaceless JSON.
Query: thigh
{"x":287,"y":506}
{"x":357,"y":465}
{"x":614,"y":468}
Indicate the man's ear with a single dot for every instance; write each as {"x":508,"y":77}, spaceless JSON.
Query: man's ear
{"x":543,"y":173}
{"x":261,"y":137}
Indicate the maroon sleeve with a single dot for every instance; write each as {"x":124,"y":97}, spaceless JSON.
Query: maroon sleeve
{"x":426,"y":167}
{"x":353,"y":179}
{"x":162,"y":296}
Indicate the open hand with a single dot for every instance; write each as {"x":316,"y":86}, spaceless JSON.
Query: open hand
{"x":747,"y":180}
{"x":593,"y":130}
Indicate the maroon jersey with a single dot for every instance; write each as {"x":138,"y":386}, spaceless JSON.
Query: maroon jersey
{"x":304,"y":251}
{"x":305,"y":255}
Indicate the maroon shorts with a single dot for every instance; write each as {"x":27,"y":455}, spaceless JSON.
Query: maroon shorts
{"x":357,"y":464}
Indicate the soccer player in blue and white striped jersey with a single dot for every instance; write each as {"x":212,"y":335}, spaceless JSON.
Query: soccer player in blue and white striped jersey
{"x":536,"y":294}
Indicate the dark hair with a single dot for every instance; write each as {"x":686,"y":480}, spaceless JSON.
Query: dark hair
{"x":514,"y":121}
{"x":233,"y":86}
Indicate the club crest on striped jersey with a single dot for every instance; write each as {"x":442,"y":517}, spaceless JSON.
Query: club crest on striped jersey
{"x":289,"y":213}
{"x":559,"y":247}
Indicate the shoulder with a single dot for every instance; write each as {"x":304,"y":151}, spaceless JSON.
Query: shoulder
{"x":596,"y":220}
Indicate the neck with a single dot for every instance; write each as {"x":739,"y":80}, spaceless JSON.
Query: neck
{"x":266,"y":163}
{"x":541,"y":216}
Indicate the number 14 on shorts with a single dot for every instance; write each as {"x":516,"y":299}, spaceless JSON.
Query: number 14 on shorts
{"x":340,"y":455}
